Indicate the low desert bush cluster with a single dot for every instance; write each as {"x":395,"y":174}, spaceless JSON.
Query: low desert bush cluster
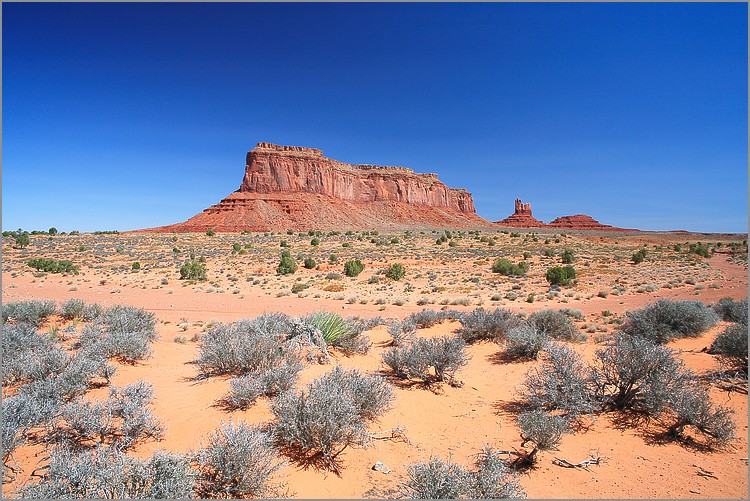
{"x":560,"y":275}
{"x":631,"y":373}
{"x":731,"y":343}
{"x":49,"y":381}
{"x":52,"y":266}
{"x":428,"y":360}
{"x":664,"y":320}
{"x":506,"y":267}
{"x":331,"y":413}
{"x":439,"y":479}
{"x":489,"y":325}
{"x":238,"y":461}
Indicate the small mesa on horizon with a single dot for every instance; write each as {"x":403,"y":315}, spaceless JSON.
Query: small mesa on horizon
{"x":298,"y":188}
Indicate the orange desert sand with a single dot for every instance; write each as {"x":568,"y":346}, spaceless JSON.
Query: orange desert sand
{"x":443,"y":421}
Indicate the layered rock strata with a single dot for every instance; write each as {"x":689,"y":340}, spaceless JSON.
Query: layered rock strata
{"x":292,"y":187}
{"x":521,"y":217}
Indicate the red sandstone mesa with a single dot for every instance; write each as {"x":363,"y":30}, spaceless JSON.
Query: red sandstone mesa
{"x":297,"y":188}
{"x":292,"y":187}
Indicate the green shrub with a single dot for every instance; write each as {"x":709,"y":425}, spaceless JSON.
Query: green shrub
{"x":699,"y":249}
{"x":193,"y":270}
{"x":210,"y":233}
{"x":298,"y":287}
{"x":567,"y":256}
{"x":560,"y":275}
{"x":353,"y":268}
{"x":505,"y":267}
{"x":639,"y":256}
{"x":287,"y":265}
{"x":310,"y":263}
{"x":21,"y":239}
{"x":332,"y":326}
{"x":315,"y":242}
{"x":135,"y":266}
{"x":52,"y":266}
{"x":395,"y":271}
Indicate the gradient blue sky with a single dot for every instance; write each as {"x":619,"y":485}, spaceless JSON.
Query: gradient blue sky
{"x":125,"y":116}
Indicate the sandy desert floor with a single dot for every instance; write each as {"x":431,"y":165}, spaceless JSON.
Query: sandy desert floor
{"x":444,"y":421}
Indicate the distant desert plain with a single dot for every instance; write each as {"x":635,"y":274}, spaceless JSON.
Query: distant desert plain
{"x":612,"y":454}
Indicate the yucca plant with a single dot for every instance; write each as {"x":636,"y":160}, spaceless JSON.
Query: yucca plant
{"x":332,"y":326}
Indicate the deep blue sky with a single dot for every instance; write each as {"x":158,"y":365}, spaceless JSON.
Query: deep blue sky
{"x":125,"y":116}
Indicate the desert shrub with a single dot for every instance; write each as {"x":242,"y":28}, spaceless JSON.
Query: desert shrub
{"x":32,"y":311}
{"x":491,"y":325}
{"x":355,"y":341}
{"x":505,"y":267}
{"x":52,"y":266}
{"x":72,"y":308}
{"x":693,"y":407}
{"x":556,"y":325}
{"x":526,"y":341}
{"x":438,"y":479}
{"x":353,"y":268}
{"x":330,"y":413}
{"x":243,"y":346}
{"x":310,"y":263}
{"x":435,"y":479}
{"x":124,"y":332}
{"x":731,"y":346}
{"x":567,"y":256}
{"x":560,"y":275}
{"x":287,"y":265}
{"x":28,"y":355}
{"x":130,"y":404}
{"x":699,"y":249}
{"x":402,"y":332}
{"x":664,"y":320}
{"x":562,"y":382}
{"x":193,"y":270}
{"x":238,"y":461}
{"x":395,"y":271}
{"x":731,"y":311}
{"x":92,"y":311}
{"x":543,"y":430}
{"x":635,"y":373}
{"x":445,"y":355}
{"x":427,"y":318}
{"x":21,"y":239}
{"x":315,"y":242}
{"x":246,"y":389}
{"x":107,"y":473}
{"x":639,"y":256}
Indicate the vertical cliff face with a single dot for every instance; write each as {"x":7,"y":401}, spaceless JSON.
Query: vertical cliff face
{"x":291,"y":187}
{"x":272,"y":168}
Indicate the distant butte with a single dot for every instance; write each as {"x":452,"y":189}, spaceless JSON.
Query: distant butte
{"x":297,"y":188}
{"x":522,"y":218}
